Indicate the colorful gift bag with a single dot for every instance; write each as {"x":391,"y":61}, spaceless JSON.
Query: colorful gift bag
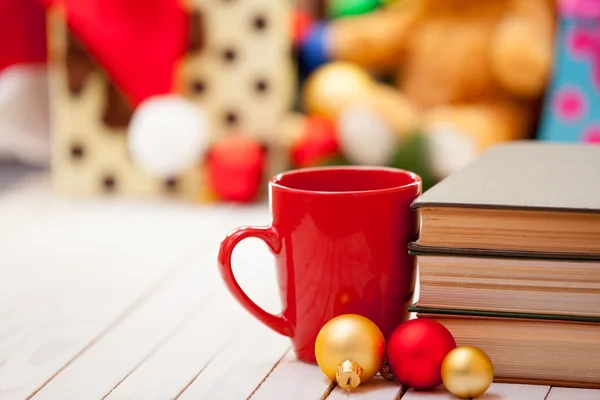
{"x":167,"y":97}
{"x":572,"y":109}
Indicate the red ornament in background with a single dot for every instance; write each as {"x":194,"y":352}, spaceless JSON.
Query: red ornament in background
{"x":301,"y":23}
{"x":416,"y":351}
{"x":317,"y":143}
{"x":235,"y":167}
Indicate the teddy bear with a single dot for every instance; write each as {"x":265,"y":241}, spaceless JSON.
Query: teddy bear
{"x":466,"y":74}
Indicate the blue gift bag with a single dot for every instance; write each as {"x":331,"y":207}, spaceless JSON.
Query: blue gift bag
{"x":572,"y":105}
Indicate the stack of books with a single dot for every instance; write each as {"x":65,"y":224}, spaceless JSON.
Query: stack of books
{"x":509,"y":260}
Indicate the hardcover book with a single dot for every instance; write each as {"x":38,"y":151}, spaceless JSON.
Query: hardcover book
{"x":552,"y":350}
{"x":521,"y":198}
{"x":509,"y":284}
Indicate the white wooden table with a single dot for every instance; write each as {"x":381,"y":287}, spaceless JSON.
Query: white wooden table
{"x":105,"y":299}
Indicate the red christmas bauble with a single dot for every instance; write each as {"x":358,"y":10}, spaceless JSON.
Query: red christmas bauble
{"x":317,"y":143}
{"x":235,"y":168}
{"x":301,"y":23}
{"x":416,"y":350}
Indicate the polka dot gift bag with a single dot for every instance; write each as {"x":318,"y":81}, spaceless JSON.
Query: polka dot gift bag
{"x":173,"y":99}
{"x":572,"y":109}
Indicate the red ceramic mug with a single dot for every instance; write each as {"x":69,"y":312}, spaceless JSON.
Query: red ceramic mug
{"x":340,"y":237}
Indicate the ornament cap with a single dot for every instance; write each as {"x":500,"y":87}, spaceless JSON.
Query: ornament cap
{"x":348,"y":375}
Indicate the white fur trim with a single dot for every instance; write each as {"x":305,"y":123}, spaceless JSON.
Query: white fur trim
{"x":365,"y":138}
{"x":167,"y":135}
{"x":450,"y":150}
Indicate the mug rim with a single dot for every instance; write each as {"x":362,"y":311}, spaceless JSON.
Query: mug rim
{"x":274,"y":182}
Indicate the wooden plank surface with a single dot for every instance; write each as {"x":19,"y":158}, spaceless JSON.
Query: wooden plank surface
{"x":209,"y":331}
{"x":295,"y":380}
{"x":497,"y":391}
{"x":298,"y":380}
{"x":73,"y":286}
{"x":252,"y":350}
{"x":22,"y":205}
{"x":376,"y":389}
{"x":557,"y":393}
{"x":78,"y":269}
{"x":121,"y":350}
{"x":240,"y":366}
{"x":122,"y":300}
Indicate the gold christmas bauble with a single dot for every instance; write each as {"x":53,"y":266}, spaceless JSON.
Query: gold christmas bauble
{"x":333,"y":87}
{"x":467,"y":372}
{"x":350,"y":350}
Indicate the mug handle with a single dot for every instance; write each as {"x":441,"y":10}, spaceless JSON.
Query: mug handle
{"x":270,"y":236}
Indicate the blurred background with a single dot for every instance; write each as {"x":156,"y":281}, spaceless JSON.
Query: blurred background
{"x":194,"y":105}
{"x":203,"y":101}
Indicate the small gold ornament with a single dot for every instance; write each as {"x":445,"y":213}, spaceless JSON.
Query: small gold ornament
{"x":350,"y":350}
{"x":335,"y":86}
{"x":467,"y":372}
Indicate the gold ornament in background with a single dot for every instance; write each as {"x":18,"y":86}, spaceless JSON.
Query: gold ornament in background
{"x":467,"y":372}
{"x":335,"y":86}
{"x":350,"y":350}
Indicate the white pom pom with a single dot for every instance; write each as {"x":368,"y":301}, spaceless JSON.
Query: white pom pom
{"x":450,"y":150}
{"x":167,"y":135}
{"x":365,"y":138}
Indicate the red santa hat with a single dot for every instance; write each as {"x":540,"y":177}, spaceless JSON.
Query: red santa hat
{"x":24,"y":130}
{"x":137,"y":42}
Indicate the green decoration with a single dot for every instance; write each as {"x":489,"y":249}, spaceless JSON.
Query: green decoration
{"x":413,"y":155}
{"x":345,"y":8}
